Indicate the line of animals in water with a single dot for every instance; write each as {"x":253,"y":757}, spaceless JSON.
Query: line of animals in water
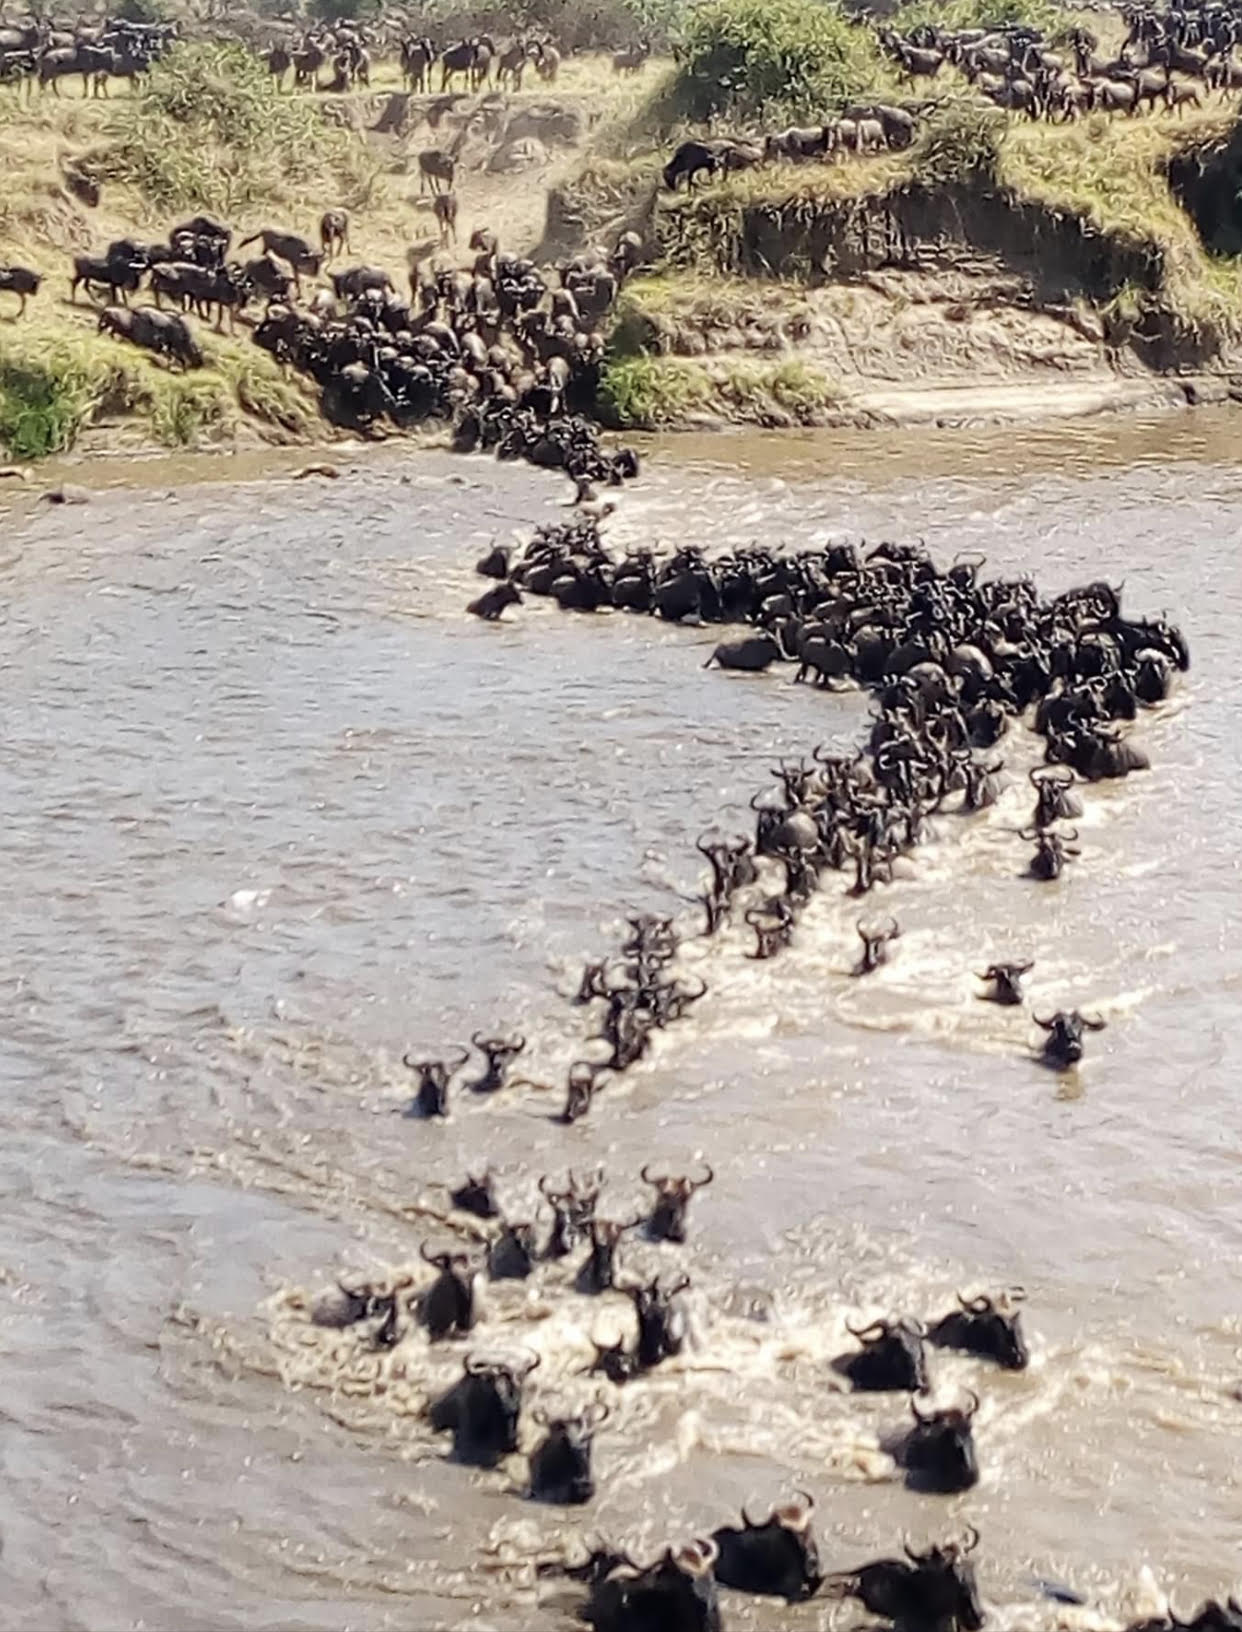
{"x":952,"y":660}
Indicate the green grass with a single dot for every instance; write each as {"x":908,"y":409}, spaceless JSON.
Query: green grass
{"x":54,"y":384}
{"x":645,"y":393}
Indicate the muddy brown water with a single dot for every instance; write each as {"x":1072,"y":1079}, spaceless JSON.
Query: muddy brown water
{"x":275,"y":810}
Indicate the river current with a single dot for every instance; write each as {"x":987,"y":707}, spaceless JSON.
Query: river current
{"x":275,"y":810}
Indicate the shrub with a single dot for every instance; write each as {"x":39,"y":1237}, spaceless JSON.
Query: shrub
{"x":643,"y":393}
{"x":961,"y":140}
{"x":327,"y":11}
{"x":142,"y":11}
{"x":770,"y":60}
{"x":210,"y":130}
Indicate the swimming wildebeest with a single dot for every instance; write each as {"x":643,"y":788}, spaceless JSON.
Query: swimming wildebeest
{"x":1006,"y":981}
{"x":936,"y":1588}
{"x":662,"y":1325}
{"x":988,"y":1327}
{"x":875,"y":945}
{"x":572,"y":1211}
{"x":938,"y":1453}
{"x":500,"y":1052}
{"x":492,"y":602}
{"x":778,"y":1558}
{"x":431,"y":1095}
{"x":482,"y":1410}
{"x":560,"y":1466}
{"x":447,"y":1306}
{"x":674,"y":1191}
{"x":511,"y":1256}
{"x":1063,"y":1045}
{"x":477,"y":1196}
{"x":675,"y":1594}
{"x":598,"y":1273}
{"x":891,"y":1357}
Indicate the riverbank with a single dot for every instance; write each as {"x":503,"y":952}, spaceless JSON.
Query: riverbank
{"x":996,"y":272}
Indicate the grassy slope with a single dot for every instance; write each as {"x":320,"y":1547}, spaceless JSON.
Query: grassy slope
{"x":1111,"y":171}
{"x":58,"y":376}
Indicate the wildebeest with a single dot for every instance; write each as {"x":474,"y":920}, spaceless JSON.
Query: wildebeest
{"x":477,"y":1196}
{"x":662,"y":1324}
{"x":778,"y":1558}
{"x":986,"y":1326}
{"x":357,"y":280}
{"x":444,"y":208}
{"x":1006,"y":982}
{"x":492,"y":602}
{"x":875,"y":944}
{"x":333,"y":233}
{"x":20,"y":281}
{"x":482,"y":1409}
{"x":572,"y":1211}
{"x":891,"y":1357}
{"x":693,"y":159}
{"x":289,"y":247}
{"x":437,"y":170}
{"x":933,"y":1589}
{"x":447,"y":1306}
{"x":499,"y":1052}
{"x":119,"y":277}
{"x":1063,"y":1046}
{"x":752,"y":653}
{"x":167,"y":334}
{"x":667,"y":1220}
{"x":431,"y":1095}
{"x":511,"y":1256}
{"x":938,"y":1453}
{"x":560,"y":1465}
{"x":599,"y":1271}
{"x":675,"y":1594}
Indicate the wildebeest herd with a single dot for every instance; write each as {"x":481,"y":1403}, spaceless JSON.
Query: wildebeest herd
{"x":34,"y":53}
{"x":509,"y":353}
{"x":957,"y":664}
{"x":1017,"y":68}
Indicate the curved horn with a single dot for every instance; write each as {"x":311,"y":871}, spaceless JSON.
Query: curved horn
{"x":807,"y":1499}
{"x":973,"y":1404}
{"x":969,"y":1545}
{"x":465,"y":1055}
{"x":475,"y":1367}
{"x":701,"y":1184}
{"x":908,"y":1550}
{"x":533,"y":1364}
{"x":878,"y":1326}
{"x":709,"y":1550}
{"x":597,"y":1413}
{"x":915,"y":1412}
{"x":410,"y":1063}
{"x":437,"y":1260}
{"x":478,"y":1039}
{"x":1044,"y":1025}
{"x":645,"y":1175}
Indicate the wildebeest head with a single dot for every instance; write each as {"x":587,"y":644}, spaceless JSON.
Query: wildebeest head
{"x":477,"y":1196}
{"x":482,"y":1409}
{"x":512,"y":1254}
{"x":581,"y":1087}
{"x":673,"y":1194}
{"x":891,"y":1357}
{"x":661,"y":1320}
{"x":572,"y":1209}
{"x":939,"y":1451}
{"x":447,"y":1306}
{"x":778,"y":1558}
{"x":614,"y":1361}
{"x":678,"y":1590}
{"x":1063,"y":1046}
{"x":986,"y":1326}
{"x":1006,"y":980}
{"x":599,"y":1272}
{"x":1052,"y":851}
{"x":499,"y":1052}
{"x":431,"y":1095}
{"x":560,"y":1466}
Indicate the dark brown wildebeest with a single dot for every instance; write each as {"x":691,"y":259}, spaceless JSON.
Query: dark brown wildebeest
{"x":437,"y":169}
{"x":20,"y":281}
{"x":334,"y":233}
{"x":444,"y":208}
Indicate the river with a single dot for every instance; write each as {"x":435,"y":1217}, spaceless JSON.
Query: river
{"x":275,"y":810}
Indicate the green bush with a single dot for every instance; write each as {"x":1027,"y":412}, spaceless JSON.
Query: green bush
{"x":643,"y":393}
{"x":210,"y":130}
{"x":142,"y":11}
{"x":960,"y":141}
{"x":327,"y":11}
{"x":770,"y":60}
